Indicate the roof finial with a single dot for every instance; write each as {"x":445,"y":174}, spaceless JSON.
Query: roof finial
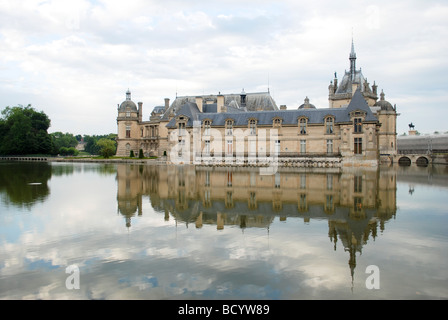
{"x":352,"y":61}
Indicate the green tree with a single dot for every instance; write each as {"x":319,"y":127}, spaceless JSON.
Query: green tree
{"x":140,"y":154}
{"x":107,"y":147}
{"x":91,"y":145}
{"x":23,"y":130}
{"x":66,"y":140}
{"x":131,"y":154}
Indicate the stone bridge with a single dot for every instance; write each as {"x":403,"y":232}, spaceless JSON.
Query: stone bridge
{"x":420,"y":159}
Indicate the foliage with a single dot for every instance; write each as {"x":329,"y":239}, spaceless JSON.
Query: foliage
{"x":64,"y":151}
{"x":91,"y":145}
{"x":23,"y":130}
{"x":66,"y":140}
{"x":140,"y":154}
{"x":131,"y":154}
{"x":107,"y":147}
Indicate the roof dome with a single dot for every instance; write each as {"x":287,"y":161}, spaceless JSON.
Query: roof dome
{"x":385,"y":105}
{"x":307,"y":104}
{"x":128,"y":103}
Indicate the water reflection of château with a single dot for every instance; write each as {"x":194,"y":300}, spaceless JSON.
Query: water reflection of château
{"x":356,"y":203}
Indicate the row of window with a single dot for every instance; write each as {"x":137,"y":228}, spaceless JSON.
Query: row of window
{"x":252,"y":146}
{"x":329,"y":126}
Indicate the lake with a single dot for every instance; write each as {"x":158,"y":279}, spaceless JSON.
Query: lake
{"x":134,"y":231}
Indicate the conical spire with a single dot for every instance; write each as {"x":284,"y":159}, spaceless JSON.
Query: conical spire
{"x":352,"y":61}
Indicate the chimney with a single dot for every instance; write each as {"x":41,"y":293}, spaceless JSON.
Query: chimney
{"x":220,"y":104}
{"x":199,"y":101}
{"x":167,"y":103}
{"x":140,"y":111}
{"x":283,"y":107}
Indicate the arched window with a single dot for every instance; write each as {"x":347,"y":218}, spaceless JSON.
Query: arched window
{"x":302,"y":126}
{"x":277,"y":122}
{"x":329,"y":125}
{"x":207,"y":125}
{"x":229,"y":127}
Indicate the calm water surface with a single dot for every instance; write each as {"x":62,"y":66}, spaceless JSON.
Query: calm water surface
{"x":167,"y":232}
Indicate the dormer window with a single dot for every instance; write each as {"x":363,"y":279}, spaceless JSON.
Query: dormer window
{"x":329,"y":125}
{"x":207,"y":125}
{"x":181,"y":127}
{"x":229,"y":127}
{"x":253,"y":127}
{"x":277,"y":122}
{"x":128,"y":113}
{"x":302,"y":126}
{"x":357,"y":123}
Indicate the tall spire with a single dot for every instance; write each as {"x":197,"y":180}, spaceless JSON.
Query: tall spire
{"x":128,"y":95}
{"x":352,"y":61}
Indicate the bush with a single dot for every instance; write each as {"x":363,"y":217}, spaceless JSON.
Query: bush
{"x":131,"y":155}
{"x":64,"y":151}
{"x":107,"y":147}
{"x":140,"y":154}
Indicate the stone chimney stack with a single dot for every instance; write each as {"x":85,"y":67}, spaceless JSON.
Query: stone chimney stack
{"x":283,"y":107}
{"x":167,"y":103}
{"x":199,"y":102}
{"x":220,"y":103}
{"x":140,"y":111}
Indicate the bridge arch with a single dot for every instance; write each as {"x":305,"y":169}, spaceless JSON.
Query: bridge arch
{"x":422,"y":161}
{"x":404,"y":161}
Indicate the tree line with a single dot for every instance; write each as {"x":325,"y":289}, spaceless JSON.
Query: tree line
{"x":24,"y":131}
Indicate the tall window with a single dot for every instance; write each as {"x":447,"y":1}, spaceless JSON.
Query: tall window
{"x":181,"y":147}
{"x":181,"y":129}
{"x":329,"y":125}
{"x":302,"y":146}
{"x":358,"y":145}
{"x":302,"y":126}
{"x":207,"y":148}
{"x":128,"y":112}
{"x":230,"y":147}
{"x":128,"y":131}
{"x":229,"y":127}
{"x":206,"y":127}
{"x":357,"y":122}
{"x":329,"y":146}
{"x":277,"y":147}
{"x":253,"y":127}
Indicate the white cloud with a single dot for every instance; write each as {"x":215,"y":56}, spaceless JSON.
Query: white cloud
{"x":59,"y":53}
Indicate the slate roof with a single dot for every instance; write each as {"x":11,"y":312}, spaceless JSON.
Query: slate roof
{"x":289,"y":117}
{"x":254,"y":101}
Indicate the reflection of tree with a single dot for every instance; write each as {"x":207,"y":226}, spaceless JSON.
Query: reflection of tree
{"x":24,"y":183}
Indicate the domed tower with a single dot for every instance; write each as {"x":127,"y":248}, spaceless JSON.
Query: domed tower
{"x":387,"y":116}
{"x":128,"y":127}
{"x":307,"y":104}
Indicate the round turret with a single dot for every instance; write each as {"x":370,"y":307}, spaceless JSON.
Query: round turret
{"x":128,"y":104}
{"x":383,"y":104}
{"x":307,"y":104}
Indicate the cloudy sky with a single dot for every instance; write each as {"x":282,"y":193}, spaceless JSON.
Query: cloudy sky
{"x":74,"y":60}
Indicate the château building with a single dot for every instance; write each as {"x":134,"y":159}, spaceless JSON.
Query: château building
{"x":357,"y":129}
